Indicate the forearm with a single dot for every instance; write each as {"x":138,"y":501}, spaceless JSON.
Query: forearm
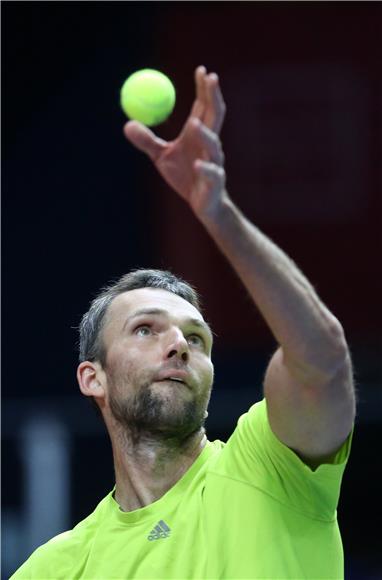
{"x":310,"y":336}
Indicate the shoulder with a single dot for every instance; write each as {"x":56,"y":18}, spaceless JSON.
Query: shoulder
{"x":254,"y":455}
{"x":254,"y":436}
{"x":52,"y":559}
{"x":56,"y":557}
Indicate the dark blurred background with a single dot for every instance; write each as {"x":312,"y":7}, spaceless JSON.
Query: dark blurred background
{"x":303,"y":145}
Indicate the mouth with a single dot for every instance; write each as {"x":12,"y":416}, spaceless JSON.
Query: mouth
{"x":173,"y":380}
{"x":174,"y":376}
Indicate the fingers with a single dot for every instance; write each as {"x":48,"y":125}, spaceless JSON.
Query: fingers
{"x":200,"y":75}
{"x":144,"y":139}
{"x":209,"y":142}
{"x":215,"y":111}
{"x":209,"y":105}
{"x":210,"y":168}
{"x":211,"y":172}
{"x":201,"y":97}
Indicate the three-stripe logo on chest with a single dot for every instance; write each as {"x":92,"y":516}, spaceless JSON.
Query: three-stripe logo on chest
{"x":161,"y":530}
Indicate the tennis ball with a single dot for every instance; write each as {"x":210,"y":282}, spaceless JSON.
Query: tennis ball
{"x":148,"y":96}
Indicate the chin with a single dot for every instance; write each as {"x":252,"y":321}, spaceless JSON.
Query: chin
{"x":176,"y":418}
{"x":162,"y":410}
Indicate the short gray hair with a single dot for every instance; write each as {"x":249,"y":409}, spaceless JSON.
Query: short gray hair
{"x":91,"y":345}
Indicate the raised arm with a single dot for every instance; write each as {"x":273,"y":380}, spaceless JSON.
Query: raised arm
{"x":308,"y":383}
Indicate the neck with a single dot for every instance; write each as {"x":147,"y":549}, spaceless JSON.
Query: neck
{"x":148,"y":466}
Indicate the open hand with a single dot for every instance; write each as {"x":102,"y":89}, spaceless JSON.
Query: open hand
{"x":192,"y":164}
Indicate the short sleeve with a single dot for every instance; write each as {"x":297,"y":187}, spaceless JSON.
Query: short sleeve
{"x":254,"y":455}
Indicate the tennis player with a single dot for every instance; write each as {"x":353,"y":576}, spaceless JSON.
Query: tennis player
{"x":262,"y":505}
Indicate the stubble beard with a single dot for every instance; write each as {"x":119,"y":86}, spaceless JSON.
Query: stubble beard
{"x":149,"y":413}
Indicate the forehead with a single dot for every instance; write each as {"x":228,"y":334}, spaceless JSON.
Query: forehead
{"x":128,"y":303}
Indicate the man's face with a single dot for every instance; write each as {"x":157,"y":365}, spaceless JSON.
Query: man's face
{"x":158,"y":366}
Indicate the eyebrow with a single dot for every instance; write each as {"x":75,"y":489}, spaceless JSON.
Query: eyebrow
{"x":159,"y":312}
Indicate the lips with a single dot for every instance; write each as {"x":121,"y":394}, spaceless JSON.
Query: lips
{"x":175,"y":375}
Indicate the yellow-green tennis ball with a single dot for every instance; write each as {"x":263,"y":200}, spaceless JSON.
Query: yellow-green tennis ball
{"x":148,"y":96}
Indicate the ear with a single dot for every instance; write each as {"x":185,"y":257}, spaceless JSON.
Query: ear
{"x":89,"y":379}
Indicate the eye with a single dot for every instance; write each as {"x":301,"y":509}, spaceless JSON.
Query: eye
{"x":195,"y":340}
{"x":142,"y":330}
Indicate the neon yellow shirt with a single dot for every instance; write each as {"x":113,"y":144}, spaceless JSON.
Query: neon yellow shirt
{"x":249,"y":508}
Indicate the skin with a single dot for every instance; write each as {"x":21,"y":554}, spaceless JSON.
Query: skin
{"x":308,"y":384}
{"x":155,"y":423}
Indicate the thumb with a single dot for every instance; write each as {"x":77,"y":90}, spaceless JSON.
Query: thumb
{"x":144,"y":139}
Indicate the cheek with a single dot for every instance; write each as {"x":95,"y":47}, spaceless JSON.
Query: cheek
{"x":120,"y":368}
{"x":129,"y":366}
{"x":208,"y":373}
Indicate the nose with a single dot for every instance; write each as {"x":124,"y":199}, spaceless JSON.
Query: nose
{"x":177,"y":346}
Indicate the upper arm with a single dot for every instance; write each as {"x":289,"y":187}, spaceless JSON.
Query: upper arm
{"x":312,"y":419}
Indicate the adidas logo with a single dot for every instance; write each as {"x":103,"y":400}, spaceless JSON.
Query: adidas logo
{"x":161,"y":530}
